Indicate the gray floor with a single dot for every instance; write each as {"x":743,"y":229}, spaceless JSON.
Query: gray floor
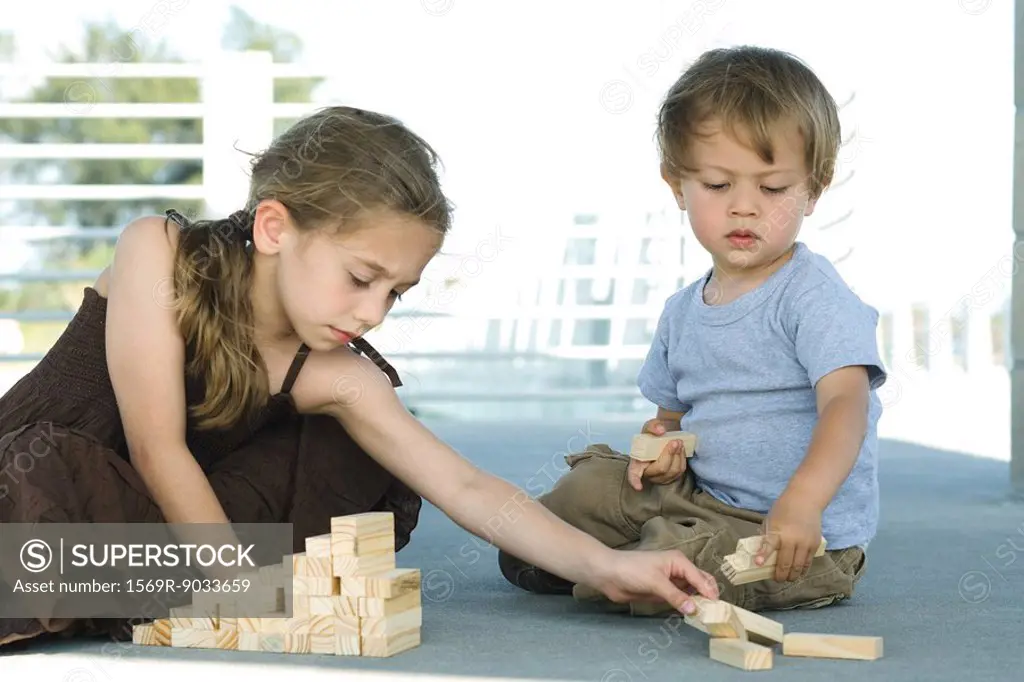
{"x":943,"y":588}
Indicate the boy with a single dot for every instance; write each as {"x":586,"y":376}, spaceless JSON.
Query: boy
{"x":770,"y":359}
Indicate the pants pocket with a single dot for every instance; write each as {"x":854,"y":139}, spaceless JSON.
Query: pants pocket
{"x":589,"y":496}
{"x":831,"y":580}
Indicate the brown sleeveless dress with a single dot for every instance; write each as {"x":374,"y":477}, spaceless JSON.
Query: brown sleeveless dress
{"x":64,"y":459}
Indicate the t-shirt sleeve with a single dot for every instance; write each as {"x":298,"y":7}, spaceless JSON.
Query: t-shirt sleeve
{"x":833,"y":328}
{"x":655,"y":380}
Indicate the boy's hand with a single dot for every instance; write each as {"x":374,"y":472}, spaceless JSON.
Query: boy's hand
{"x":669,"y":466}
{"x":793,"y":529}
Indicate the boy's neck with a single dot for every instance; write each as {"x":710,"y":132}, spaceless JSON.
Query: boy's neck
{"x":727,"y":282}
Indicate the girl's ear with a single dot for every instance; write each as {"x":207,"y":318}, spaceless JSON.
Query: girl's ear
{"x":271,"y":226}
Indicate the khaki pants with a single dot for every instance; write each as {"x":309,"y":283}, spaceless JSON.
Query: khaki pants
{"x":595,"y":496}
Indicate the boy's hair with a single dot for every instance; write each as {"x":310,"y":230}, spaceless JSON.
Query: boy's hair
{"x":326,"y":169}
{"x":750,"y":90}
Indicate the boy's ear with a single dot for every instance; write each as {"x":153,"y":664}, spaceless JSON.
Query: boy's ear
{"x":674,"y":185}
{"x":271,"y":226}
{"x":809,"y":208}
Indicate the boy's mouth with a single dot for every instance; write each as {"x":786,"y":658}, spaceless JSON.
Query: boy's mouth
{"x":742,"y":239}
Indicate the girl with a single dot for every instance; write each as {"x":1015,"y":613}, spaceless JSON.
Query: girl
{"x":210,"y":356}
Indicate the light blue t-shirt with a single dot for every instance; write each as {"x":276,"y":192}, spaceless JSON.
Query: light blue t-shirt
{"x":744,"y":374}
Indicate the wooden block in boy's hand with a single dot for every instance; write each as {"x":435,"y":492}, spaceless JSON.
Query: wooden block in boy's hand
{"x":648,"y":447}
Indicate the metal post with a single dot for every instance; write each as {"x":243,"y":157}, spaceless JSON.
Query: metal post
{"x":1017,"y":292}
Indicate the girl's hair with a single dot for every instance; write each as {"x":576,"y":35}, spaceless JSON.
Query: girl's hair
{"x":326,"y":169}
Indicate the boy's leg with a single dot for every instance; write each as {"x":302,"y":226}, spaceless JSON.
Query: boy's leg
{"x":830,"y":579}
{"x":707,"y":530}
{"x":595,"y":497}
{"x":703,"y":535}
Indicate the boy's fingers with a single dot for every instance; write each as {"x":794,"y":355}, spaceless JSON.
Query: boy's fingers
{"x":802,"y":559}
{"x":769,"y":544}
{"x":784,"y":564}
{"x":635,"y":473}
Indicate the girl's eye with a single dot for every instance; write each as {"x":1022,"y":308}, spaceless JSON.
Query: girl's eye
{"x":775,"y":190}
{"x":715,"y":188}
{"x":359,"y":283}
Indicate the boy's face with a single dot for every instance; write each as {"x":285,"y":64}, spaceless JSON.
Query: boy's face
{"x":745,"y":212}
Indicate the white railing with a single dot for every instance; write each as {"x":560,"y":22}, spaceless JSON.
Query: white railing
{"x":480,"y":359}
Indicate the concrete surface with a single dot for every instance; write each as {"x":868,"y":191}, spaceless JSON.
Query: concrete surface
{"x":943,"y":587}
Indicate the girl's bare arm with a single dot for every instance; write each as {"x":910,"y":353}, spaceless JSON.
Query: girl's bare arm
{"x":145,"y":356}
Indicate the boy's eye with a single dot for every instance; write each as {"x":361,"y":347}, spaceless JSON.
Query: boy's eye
{"x":775,"y":190}
{"x":715,"y":188}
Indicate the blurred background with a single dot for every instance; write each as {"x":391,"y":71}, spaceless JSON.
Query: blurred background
{"x":566,"y":242}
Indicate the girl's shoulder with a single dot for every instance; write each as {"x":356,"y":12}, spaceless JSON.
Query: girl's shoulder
{"x":341,"y":378}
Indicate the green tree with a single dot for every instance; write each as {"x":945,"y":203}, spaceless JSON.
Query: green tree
{"x":108,"y":43}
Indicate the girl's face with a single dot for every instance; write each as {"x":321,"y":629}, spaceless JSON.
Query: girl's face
{"x":334,"y":287}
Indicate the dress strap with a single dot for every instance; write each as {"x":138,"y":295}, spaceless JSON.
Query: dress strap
{"x":363,"y":346}
{"x":293,"y":371}
{"x":176,"y":217}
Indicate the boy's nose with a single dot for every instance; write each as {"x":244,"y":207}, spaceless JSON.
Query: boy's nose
{"x":743,"y":204}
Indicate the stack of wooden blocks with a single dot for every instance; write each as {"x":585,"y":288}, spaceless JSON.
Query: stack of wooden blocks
{"x":745,"y":640}
{"x":348,"y":599}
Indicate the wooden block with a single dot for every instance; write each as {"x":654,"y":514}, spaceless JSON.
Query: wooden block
{"x":342,"y":545}
{"x":144,"y":634}
{"x":386,"y":626}
{"x":300,"y":605}
{"x":321,"y":644}
{"x":348,"y":626}
{"x":248,"y":625}
{"x":387,"y":607}
{"x":248,"y":641}
{"x":382,"y":585}
{"x":856,"y":647}
{"x":358,"y":566}
{"x":348,"y":645}
{"x":319,"y":546}
{"x":648,"y":447}
{"x":739,"y":653}
{"x":272,"y":624}
{"x":284,"y":643}
{"x":759,"y":628}
{"x":180,"y":617}
{"x":749,"y":545}
{"x":162,"y":631}
{"x":367,"y":523}
{"x":739,"y":568}
{"x":197,"y":619}
{"x":721,"y":620}
{"x":315,"y":586}
{"x":261,"y":600}
{"x":191,"y":638}
{"x":276,"y":575}
{"x":313,"y":566}
{"x":381,"y":647}
{"x":335,"y":606}
{"x":310,"y":625}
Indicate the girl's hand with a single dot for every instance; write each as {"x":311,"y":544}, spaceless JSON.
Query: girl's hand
{"x":654,"y":576}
